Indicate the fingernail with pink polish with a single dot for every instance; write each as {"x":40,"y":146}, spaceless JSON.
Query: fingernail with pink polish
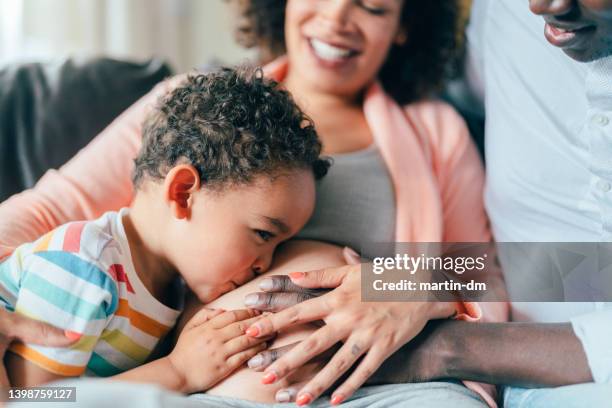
{"x":304,"y":399}
{"x":297,"y":275}
{"x":269,"y":378}
{"x":337,"y":399}
{"x":72,"y":335}
{"x":351,"y":252}
{"x":252,"y":331}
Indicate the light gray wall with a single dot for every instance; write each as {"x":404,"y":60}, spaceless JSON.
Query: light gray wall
{"x":188,"y":33}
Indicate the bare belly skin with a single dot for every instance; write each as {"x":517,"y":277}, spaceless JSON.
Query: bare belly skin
{"x":293,"y":256}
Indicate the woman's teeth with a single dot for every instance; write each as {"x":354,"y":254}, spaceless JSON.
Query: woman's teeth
{"x":329,"y":52}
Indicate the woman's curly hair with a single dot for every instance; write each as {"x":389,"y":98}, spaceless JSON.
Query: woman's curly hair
{"x":231,"y":125}
{"x":412,"y":71}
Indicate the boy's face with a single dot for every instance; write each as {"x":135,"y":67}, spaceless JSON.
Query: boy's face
{"x":582,"y":28}
{"x":231,"y":235}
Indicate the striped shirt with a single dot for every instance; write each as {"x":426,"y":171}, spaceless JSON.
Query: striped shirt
{"x":80,"y":277}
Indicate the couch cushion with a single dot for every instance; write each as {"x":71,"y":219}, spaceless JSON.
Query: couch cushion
{"x":48,"y":112}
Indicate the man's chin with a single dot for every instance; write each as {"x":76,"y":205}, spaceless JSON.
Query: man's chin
{"x":589,"y":55}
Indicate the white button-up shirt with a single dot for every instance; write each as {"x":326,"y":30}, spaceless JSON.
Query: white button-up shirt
{"x":548,"y":148}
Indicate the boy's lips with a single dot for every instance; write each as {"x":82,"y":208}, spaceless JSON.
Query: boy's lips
{"x":567,"y":36}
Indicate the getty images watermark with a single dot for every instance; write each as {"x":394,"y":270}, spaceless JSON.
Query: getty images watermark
{"x":487,"y":272}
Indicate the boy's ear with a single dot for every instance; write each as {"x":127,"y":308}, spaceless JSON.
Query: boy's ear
{"x":180,"y":184}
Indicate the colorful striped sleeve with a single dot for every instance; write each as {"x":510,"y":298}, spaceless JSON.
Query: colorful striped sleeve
{"x":9,"y":281}
{"x":61,"y":287}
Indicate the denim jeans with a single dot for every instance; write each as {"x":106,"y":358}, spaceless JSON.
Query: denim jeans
{"x":579,"y":395}
{"x":94,"y":393}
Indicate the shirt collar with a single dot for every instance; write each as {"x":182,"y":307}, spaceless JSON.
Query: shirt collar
{"x":599,"y":83}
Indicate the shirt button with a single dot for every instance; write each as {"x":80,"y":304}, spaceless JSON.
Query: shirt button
{"x":600,"y":120}
{"x":604,"y":186}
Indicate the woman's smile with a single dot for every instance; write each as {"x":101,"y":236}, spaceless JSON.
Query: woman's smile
{"x":331,"y":56}
{"x":338,"y":47}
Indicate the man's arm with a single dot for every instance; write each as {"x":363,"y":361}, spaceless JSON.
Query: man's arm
{"x":521,"y":354}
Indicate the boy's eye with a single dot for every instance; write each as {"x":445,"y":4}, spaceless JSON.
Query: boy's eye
{"x":265,"y":235}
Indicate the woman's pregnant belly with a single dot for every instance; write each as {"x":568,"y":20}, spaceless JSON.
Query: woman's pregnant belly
{"x":291,"y":257}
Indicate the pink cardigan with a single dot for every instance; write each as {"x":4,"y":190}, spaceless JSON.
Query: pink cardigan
{"x":435,"y":169}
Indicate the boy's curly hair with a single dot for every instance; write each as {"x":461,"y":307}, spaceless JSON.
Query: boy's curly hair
{"x":231,"y":125}
{"x":412,"y":71}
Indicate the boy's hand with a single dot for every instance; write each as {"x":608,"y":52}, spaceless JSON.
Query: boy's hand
{"x":212,"y":346}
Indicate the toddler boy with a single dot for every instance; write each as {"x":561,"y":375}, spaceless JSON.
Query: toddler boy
{"x":226,"y":172}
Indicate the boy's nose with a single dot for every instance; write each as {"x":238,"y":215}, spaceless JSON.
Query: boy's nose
{"x":551,"y":7}
{"x":262,"y":264}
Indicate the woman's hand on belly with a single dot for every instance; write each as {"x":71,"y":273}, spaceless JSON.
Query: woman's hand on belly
{"x":372,"y":330}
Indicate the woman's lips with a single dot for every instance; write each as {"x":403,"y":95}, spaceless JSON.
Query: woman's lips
{"x":331,"y":56}
{"x":566,"y":37}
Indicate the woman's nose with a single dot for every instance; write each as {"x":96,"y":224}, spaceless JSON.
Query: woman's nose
{"x":336,"y":12}
{"x":550,"y":7}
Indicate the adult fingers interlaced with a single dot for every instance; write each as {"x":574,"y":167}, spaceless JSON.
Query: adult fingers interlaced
{"x":267,"y":357}
{"x":374,"y":358}
{"x":279,"y":283}
{"x":239,"y":359}
{"x":339,"y":364}
{"x":289,"y":394}
{"x":309,"y":310}
{"x":299,"y":378}
{"x":315,"y":344}
{"x":312,"y":309}
{"x":305,"y":312}
{"x":376,"y":338}
{"x":243,"y":342}
{"x":262,"y":360}
{"x":370,"y":329}
{"x":323,"y":278}
{"x":236,"y":329}
{"x":275,"y":302}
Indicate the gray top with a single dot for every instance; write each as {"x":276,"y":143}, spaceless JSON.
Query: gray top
{"x":355,"y":202}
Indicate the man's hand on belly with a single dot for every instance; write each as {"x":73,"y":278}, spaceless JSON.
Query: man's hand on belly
{"x":279,"y":293}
